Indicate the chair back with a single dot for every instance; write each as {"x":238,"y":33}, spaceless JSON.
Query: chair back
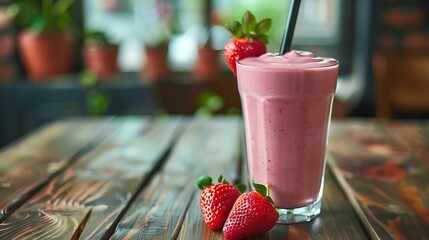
{"x":402,"y":83}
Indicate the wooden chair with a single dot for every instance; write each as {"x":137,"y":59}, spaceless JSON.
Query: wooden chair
{"x":402,"y":83}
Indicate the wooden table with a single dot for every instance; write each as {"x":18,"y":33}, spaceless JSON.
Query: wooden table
{"x":134,"y":178}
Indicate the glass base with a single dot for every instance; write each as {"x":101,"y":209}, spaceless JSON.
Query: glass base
{"x":302,"y":214}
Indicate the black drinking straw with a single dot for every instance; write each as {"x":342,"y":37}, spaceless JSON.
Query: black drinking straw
{"x":290,"y":27}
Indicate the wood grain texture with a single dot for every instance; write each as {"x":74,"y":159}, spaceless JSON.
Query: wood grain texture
{"x":100,"y":184}
{"x":126,"y":168}
{"x":136,"y":180}
{"x":415,"y":135}
{"x":28,"y":164}
{"x":383,"y":178}
{"x":160,"y":211}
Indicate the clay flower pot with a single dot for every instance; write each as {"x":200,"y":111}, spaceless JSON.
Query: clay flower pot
{"x":156,"y":67}
{"x":102,"y":60}
{"x":207,"y":65}
{"x":45,"y":54}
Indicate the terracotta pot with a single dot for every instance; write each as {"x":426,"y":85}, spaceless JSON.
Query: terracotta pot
{"x":207,"y":65}
{"x":102,"y":60}
{"x":156,"y":67}
{"x":45,"y":54}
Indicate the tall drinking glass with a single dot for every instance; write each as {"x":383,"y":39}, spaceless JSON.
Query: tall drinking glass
{"x":287,"y":102}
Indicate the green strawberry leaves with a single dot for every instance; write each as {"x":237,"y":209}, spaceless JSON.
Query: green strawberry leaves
{"x":235,"y":28}
{"x":263,"y":190}
{"x":221,"y":179}
{"x":241,"y":187}
{"x":204,"y":181}
{"x":263,"y":26}
{"x":249,"y":23}
{"x":262,"y":37}
{"x":249,"y":28}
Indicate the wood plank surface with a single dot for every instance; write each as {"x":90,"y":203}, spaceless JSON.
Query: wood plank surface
{"x":87,"y":198}
{"x":134,"y":178}
{"x":160,"y":211}
{"x":126,"y":169}
{"x":27,"y":165}
{"x":415,"y":135}
{"x":384,"y":179}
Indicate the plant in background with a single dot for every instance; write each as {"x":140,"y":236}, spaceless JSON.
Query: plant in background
{"x":97,"y":102}
{"x":211,"y":103}
{"x":45,"y":16}
{"x":158,"y":19}
{"x":96,"y":37}
{"x":100,"y":54}
{"x":45,"y":41}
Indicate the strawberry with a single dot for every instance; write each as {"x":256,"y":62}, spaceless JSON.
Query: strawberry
{"x":217,"y":199}
{"x":252,"y":214}
{"x":249,"y":39}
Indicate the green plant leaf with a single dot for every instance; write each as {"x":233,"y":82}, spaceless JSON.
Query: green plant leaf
{"x":46,"y":7}
{"x":97,"y":102}
{"x":210,"y":101}
{"x":204,"y":181}
{"x":263,"y":26}
{"x":62,"y":23}
{"x":13,"y":10}
{"x":96,"y":37}
{"x":249,"y":22}
{"x":233,"y":111}
{"x":44,"y":15}
{"x":203,"y":113}
{"x":88,"y":79}
{"x":62,"y":6}
{"x":39,"y":25}
{"x":214,"y":103}
{"x":26,"y":12}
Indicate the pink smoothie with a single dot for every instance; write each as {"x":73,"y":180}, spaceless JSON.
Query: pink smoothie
{"x":287,"y":104}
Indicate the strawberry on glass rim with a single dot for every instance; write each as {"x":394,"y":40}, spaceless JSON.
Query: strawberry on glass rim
{"x":249,"y":39}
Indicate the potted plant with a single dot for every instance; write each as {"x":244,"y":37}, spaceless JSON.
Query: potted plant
{"x":156,"y":44}
{"x":156,"y":66}
{"x":207,"y":64}
{"x":45,"y":42}
{"x":100,"y":55}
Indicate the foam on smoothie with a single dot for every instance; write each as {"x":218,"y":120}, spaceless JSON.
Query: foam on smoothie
{"x":292,"y":59}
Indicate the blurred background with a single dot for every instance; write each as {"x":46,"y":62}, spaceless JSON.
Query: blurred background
{"x":64,"y":58}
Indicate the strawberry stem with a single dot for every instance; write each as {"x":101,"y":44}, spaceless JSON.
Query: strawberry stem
{"x":249,"y":28}
{"x":263,"y":190}
{"x":204,"y":181}
{"x":221,"y":179}
{"x":241,"y":187}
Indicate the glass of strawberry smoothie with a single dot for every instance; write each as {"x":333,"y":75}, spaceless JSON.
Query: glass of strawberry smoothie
{"x":287,"y":102}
